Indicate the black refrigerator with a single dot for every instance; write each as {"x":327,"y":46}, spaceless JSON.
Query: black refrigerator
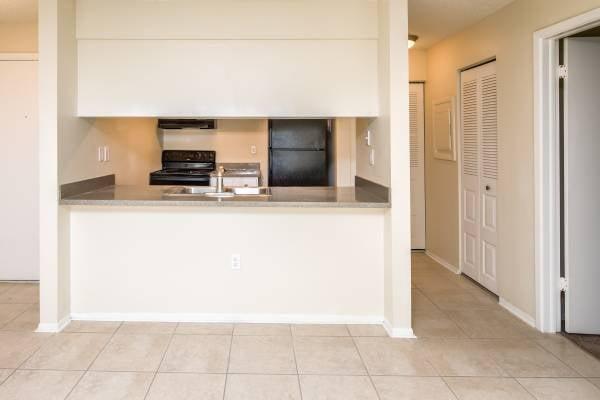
{"x":298,"y":152}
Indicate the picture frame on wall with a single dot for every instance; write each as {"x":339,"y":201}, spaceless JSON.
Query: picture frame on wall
{"x":444,"y":129}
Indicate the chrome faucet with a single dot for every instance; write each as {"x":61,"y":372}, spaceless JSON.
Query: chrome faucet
{"x":220,"y":172}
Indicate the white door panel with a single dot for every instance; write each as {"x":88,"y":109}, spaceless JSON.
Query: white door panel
{"x":19,"y":241}
{"x":470,"y":173}
{"x":417,"y":165}
{"x":479,"y":174}
{"x":582,"y":185}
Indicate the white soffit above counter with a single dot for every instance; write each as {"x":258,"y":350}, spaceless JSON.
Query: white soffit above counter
{"x":227,"y":19}
{"x":227,"y":58}
{"x":249,"y":78}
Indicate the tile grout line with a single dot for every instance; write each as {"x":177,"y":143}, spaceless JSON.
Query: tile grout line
{"x":366,"y":368}
{"x":296,"y":363}
{"x":93,"y":361}
{"x":525,"y":389}
{"x":555,"y":357}
{"x":228,"y":362}
{"x":162,"y":359}
{"x":449,"y":388}
{"x":445,"y":313}
{"x":5,"y":324}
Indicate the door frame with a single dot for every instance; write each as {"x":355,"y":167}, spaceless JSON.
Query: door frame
{"x":546,"y":165}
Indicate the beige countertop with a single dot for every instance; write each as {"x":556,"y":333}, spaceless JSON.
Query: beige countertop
{"x":144,"y":196}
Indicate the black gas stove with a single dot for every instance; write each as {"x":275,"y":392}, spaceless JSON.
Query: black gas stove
{"x":185,"y":167}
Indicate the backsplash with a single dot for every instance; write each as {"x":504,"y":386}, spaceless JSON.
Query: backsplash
{"x":233,"y":140}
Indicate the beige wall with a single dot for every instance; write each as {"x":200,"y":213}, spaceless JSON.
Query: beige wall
{"x":344,"y":146}
{"x":133,"y":143}
{"x":19,"y":38}
{"x":232,"y":141}
{"x":417,"y":65}
{"x":507,"y":35}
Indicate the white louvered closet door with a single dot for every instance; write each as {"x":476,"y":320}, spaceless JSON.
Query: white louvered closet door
{"x":417,"y":165}
{"x":479,"y":99}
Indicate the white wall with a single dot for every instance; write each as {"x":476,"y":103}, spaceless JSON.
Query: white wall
{"x":308,"y":265}
{"x":54,"y":288}
{"x":513,"y":48}
{"x":392,"y":126}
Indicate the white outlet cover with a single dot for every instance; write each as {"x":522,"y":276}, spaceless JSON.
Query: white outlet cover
{"x":106,"y":153}
{"x":252,"y":149}
{"x":100,"y":154}
{"x":372,"y":157}
{"x":236,"y":262}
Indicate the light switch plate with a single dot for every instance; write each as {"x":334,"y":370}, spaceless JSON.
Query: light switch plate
{"x":252,"y":149}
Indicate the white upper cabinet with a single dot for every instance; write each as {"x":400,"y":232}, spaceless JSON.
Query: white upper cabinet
{"x":227,"y":58}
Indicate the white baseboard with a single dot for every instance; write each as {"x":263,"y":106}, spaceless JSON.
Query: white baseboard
{"x":517,"y":312}
{"x":54,"y":328}
{"x":399,"y":333}
{"x":442,"y":262}
{"x":231,"y":318}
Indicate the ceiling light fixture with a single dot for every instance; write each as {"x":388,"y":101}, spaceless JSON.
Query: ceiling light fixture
{"x":412,"y":39}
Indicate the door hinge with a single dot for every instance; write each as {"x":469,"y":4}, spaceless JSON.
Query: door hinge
{"x":563,"y":284}
{"x":563,"y":72}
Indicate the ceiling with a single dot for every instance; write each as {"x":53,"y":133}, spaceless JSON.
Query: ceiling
{"x":434,"y":20}
{"x":431,"y":20}
{"x":18,"y":11}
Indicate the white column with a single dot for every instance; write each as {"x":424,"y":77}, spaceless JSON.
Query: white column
{"x":54,"y":224}
{"x":393,"y":103}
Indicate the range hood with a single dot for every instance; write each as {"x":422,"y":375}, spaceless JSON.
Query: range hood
{"x":186,"y":123}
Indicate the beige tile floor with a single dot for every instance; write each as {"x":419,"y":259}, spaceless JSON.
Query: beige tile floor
{"x":468,"y":349}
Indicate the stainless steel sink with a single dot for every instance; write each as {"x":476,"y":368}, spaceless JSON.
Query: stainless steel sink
{"x":252,"y":191}
{"x":209,"y":191}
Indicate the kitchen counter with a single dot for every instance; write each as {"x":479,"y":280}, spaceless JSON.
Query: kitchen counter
{"x":305,"y":197}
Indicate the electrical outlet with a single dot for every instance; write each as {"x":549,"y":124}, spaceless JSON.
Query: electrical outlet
{"x":253,"y":149}
{"x":372,"y":157}
{"x":236,"y":262}
{"x":106,"y":153}
{"x":368,"y":138}
{"x":100,"y":154}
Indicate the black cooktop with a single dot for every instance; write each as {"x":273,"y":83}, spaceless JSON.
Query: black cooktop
{"x":185,"y":167}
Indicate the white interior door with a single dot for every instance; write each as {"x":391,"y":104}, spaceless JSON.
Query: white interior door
{"x":582,"y":185}
{"x":19,"y":254}
{"x":417,"y":165}
{"x":479,"y":121}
